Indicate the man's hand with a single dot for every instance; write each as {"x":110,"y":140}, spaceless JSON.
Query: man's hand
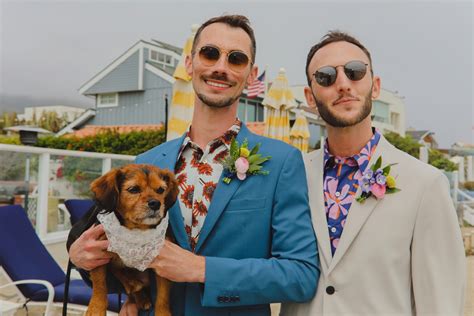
{"x":179,"y":265}
{"x":88,"y":252}
{"x":129,"y":309}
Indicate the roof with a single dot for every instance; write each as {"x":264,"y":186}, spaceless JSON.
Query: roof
{"x":91,"y":130}
{"x":164,"y":45}
{"x":161,"y":67}
{"x":27,"y":128}
{"x":418,"y":135}
{"x":256,"y":127}
{"x":78,"y":122}
{"x":138,"y":46}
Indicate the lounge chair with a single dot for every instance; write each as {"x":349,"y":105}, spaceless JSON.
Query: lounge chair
{"x":77,"y":208}
{"x":24,"y":257}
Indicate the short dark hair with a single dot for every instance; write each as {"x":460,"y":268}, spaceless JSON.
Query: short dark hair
{"x":332,"y":37}
{"x":234,"y":20}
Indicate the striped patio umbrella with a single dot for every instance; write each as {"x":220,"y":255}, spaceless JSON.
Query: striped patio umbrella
{"x":182,"y":102}
{"x":299,"y":134}
{"x":278,"y":100}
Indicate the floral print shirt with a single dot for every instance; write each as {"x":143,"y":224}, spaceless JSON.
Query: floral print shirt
{"x":341,"y":181}
{"x":198,"y":171}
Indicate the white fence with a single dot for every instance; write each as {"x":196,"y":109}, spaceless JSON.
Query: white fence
{"x":50,"y":186}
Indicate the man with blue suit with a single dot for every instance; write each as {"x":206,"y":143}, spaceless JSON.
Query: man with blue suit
{"x":243,"y":244}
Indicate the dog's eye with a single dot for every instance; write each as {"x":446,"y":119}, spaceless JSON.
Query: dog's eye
{"x":134,"y":189}
{"x":160,"y":190}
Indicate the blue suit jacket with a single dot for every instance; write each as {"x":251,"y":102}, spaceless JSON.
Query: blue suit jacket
{"x":257,"y":238}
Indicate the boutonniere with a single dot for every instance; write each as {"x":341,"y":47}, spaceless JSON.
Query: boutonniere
{"x":377,"y":181}
{"x":242,"y":162}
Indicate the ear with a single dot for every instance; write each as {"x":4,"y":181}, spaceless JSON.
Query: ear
{"x":252,"y":75}
{"x":375,"y":87}
{"x":308,"y":93}
{"x":188,"y":64}
{"x":173,"y":189}
{"x":106,"y":189}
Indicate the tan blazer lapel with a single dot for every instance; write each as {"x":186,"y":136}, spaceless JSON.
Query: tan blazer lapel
{"x":360,"y":212}
{"x":314,"y":171}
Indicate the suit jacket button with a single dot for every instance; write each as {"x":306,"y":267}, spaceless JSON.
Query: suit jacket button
{"x":330,"y":290}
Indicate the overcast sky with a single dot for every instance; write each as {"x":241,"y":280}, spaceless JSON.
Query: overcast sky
{"x":423,"y":50}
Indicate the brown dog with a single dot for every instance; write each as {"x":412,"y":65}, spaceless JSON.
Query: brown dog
{"x":140,"y":196}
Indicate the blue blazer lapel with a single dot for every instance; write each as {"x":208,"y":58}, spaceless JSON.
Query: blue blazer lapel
{"x":167,"y":159}
{"x":222,"y":194}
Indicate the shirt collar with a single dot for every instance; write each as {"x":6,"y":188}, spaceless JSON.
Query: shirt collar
{"x":225,"y":139}
{"x":361,"y":159}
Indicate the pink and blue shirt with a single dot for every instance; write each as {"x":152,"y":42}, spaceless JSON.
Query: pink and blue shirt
{"x":341,"y":181}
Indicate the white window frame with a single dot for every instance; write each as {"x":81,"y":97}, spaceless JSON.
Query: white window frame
{"x":159,"y":54}
{"x":100,"y":104}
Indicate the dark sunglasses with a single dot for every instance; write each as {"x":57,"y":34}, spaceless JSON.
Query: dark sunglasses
{"x":355,"y":70}
{"x":237,"y":60}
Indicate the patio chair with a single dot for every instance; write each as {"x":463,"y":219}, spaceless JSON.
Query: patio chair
{"x":24,"y":257}
{"x":77,"y":208}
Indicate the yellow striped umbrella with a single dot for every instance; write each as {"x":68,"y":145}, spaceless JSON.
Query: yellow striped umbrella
{"x":278,"y":100}
{"x":182,"y":102}
{"x":299,"y":134}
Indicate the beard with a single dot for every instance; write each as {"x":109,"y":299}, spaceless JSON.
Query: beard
{"x":222,"y":103}
{"x":217,"y":103}
{"x":332,"y":119}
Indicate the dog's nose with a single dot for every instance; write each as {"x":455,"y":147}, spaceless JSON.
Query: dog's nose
{"x":154,"y":204}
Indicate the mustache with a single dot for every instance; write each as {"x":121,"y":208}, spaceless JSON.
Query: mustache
{"x":345,"y":96}
{"x":218,"y":76}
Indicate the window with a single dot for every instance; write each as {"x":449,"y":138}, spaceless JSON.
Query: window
{"x":380,"y":111}
{"x":107,"y":100}
{"x":250,"y":111}
{"x":241,"y":111}
{"x":161,"y":58}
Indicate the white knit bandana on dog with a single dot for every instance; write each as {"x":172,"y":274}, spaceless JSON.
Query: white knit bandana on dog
{"x":136,"y":247}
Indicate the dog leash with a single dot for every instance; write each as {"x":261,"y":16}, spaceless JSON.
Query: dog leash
{"x":66,"y":287}
{"x":66,"y":290}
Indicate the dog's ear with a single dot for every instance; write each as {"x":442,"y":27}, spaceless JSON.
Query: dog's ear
{"x":173,"y":190}
{"x":106,"y":189}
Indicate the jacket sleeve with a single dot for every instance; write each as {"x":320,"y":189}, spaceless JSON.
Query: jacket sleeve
{"x":438,"y":260}
{"x":291,"y":272}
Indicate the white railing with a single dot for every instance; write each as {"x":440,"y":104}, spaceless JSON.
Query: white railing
{"x":467,"y":207}
{"x":43,"y":181}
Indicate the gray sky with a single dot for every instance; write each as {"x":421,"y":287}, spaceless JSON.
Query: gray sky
{"x":423,"y":50}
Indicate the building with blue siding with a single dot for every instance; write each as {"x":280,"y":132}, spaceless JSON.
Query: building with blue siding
{"x":133,"y":89}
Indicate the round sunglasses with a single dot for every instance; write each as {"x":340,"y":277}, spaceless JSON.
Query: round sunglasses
{"x":210,"y":55}
{"x":355,"y":70}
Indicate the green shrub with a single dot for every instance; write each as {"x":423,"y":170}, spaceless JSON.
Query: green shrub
{"x":108,"y":141}
{"x":406,"y":144}
{"x":10,"y":140}
{"x":437,"y":159}
{"x":412,"y":147}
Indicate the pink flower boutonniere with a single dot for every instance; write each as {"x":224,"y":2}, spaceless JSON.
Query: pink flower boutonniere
{"x":377,"y":181}
{"x":242,"y":162}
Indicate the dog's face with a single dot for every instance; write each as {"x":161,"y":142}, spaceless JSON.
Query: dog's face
{"x":140,"y":194}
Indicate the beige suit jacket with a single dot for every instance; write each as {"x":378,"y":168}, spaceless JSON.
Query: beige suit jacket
{"x":401,"y":255}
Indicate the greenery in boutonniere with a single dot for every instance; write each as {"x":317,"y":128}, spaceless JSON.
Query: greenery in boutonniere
{"x":242,"y":161}
{"x":377,"y":181}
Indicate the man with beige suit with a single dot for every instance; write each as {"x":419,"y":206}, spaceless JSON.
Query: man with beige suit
{"x":388,"y":236}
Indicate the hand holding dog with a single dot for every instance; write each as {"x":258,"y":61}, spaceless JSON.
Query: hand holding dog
{"x":89,"y":251}
{"x":179,"y":265}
